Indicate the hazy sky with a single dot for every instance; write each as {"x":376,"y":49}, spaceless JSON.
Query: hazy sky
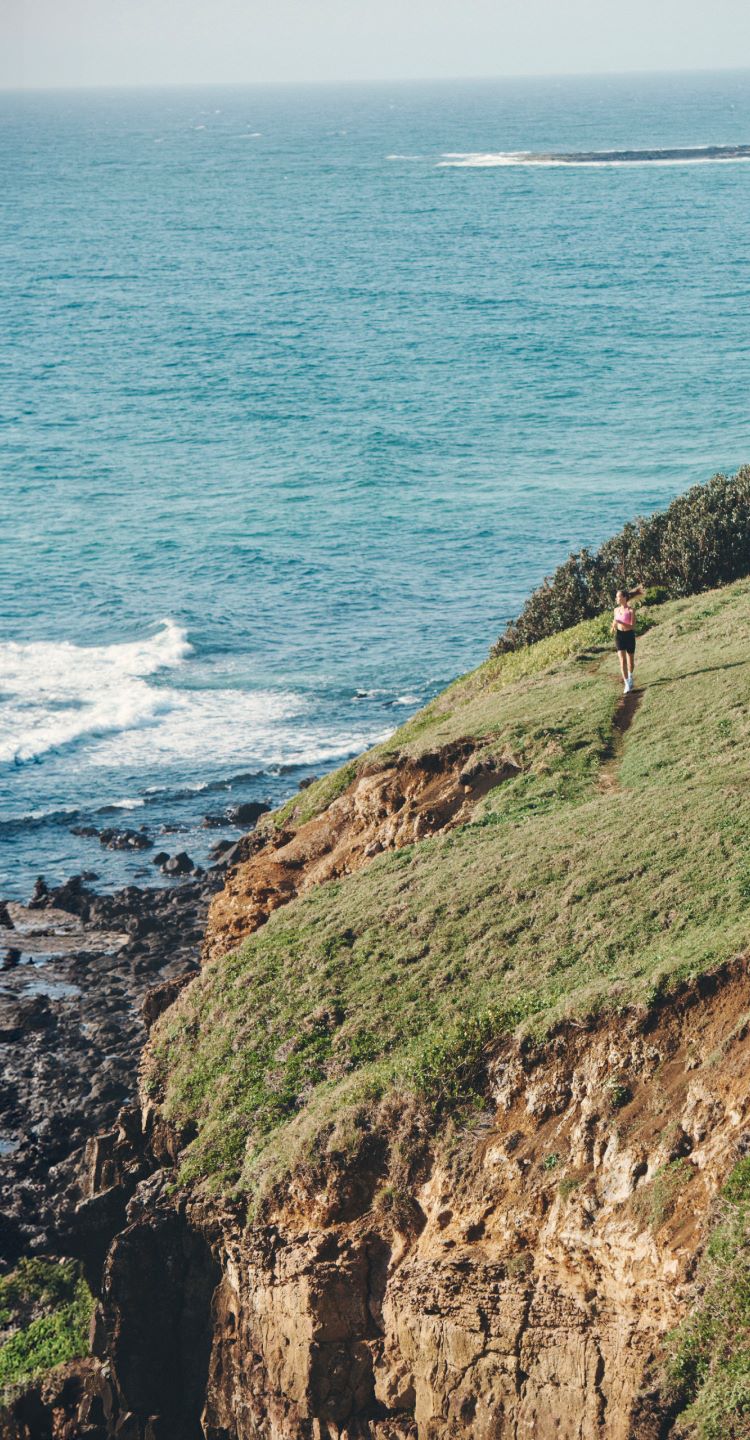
{"x":110,"y":42}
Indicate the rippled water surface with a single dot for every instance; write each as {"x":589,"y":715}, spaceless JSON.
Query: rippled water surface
{"x":302,"y":390}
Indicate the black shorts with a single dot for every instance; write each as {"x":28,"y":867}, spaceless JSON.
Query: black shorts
{"x":625,"y":640}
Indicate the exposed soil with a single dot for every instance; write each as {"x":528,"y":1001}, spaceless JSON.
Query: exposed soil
{"x":382,"y":809}
{"x":521,"y":1286}
{"x":621,"y":722}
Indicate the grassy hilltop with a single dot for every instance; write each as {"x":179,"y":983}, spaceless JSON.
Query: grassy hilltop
{"x":610,"y":867}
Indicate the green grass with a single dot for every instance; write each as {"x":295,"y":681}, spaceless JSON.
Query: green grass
{"x":709,"y":1370}
{"x":45,"y":1311}
{"x":467,"y":708}
{"x":561,"y":897}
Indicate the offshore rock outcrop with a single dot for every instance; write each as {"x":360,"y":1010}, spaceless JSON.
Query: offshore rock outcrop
{"x":520,"y":1285}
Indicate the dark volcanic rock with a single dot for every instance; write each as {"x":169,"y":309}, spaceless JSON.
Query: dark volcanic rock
{"x":179,"y":864}
{"x":125,"y":840}
{"x":249,"y":813}
{"x":39,"y":893}
{"x":160,"y":997}
{"x":159,"y":1281}
{"x":71,"y":1402}
{"x":241,"y":850}
{"x":72,"y":1029}
{"x":214,"y":822}
{"x":72,"y":896}
{"x":233,"y":854}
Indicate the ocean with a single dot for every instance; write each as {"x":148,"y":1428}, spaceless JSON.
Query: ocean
{"x":303,"y":389}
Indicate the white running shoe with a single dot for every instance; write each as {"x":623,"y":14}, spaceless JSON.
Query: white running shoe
{"x":626,"y":688}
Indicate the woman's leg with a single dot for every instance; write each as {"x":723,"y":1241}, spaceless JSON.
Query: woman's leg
{"x":623,"y":658}
{"x":631,"y":661}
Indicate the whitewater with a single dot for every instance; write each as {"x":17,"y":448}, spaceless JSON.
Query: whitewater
{"x":114,"y":702}
{"x":291,"y":427}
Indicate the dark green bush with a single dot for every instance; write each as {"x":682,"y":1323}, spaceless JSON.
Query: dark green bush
{"x":701,"y":540}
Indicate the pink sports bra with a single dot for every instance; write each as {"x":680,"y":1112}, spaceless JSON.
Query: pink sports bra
{"x":624,"y":615}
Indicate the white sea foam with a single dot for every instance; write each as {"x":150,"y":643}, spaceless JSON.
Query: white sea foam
{"x":100,"y":699}
{"x":259,"y":728}
{"x":56,"y":694}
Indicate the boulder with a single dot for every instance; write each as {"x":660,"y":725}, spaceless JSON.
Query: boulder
{"x":179,"y":864}
{"x":248,"y":813}
{"x":125,"y":840}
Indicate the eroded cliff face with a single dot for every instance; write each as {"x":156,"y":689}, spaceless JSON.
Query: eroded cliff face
{"x":520,"y":1285}
{"x":513,"y":1278}
{"x":384,"y":808}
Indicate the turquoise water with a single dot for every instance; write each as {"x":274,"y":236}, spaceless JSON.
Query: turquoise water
{"x":302,"y":391}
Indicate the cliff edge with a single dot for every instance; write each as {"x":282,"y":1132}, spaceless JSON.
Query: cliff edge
{"x":449,"y":1136}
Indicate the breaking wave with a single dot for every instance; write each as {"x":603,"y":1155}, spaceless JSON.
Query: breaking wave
{"x":103,"y":701}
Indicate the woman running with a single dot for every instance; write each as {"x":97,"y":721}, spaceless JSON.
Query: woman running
{"x":623,"y":629}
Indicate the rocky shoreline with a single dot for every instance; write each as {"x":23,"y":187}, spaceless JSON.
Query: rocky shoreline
{"x":76,"y":968}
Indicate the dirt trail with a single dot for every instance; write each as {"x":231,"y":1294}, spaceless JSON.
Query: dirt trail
{"x":609,"y":775}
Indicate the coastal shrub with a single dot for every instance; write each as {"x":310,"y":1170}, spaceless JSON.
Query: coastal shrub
{"x":700,"y":541}
{"x":46,"y":1307}
{"x":709,"y":1355}
{"x":451,"y":1065}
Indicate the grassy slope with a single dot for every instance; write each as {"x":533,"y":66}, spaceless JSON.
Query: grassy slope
{"x":468,"y":707}
{"x":561,"y":896}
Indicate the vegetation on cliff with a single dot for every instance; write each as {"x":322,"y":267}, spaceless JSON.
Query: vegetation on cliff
{"x":607,"y":866}
{"x":601,"y":874}
{"x":709,"y":1372}
{"x":701,"y":540}
{"x":45,"y":1310}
